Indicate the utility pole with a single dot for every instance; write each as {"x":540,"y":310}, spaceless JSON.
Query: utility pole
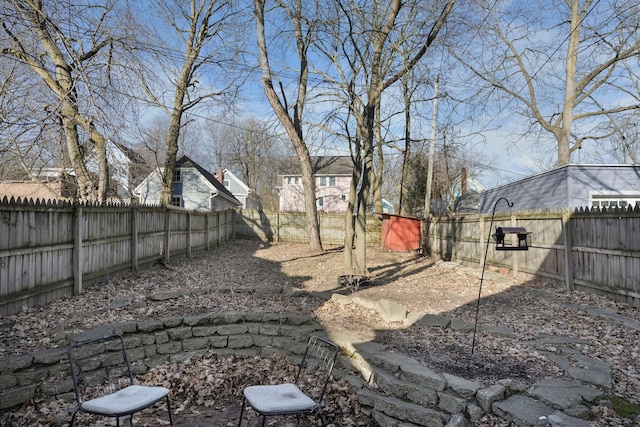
{"x":432,"y":149}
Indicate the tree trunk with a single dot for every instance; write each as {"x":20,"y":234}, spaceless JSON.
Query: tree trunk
{"x":100,"y":144}
{"x":406,"y":157}
{"x":360,"y":265}
{"x":349,"y":225}
{"x":171,"y":155}
{"x":293,"y":127}
{"x":85,"y":185}
{"x":349,"y":219}
{"x":564,"y":133}
{"x":377,"y":175}
{"x":173,"y":133}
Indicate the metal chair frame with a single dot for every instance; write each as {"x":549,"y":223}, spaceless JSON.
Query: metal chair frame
{"x":123,"y":401}
{"x":319,"y":349}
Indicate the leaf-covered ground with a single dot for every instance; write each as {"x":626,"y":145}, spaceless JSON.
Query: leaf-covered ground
{"x":209,"y":389}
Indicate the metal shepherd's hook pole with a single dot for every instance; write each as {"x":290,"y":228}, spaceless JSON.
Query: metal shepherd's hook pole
{"x":484,"y":263}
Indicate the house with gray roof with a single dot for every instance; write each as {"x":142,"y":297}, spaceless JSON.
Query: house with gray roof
{"x":239,"y":189}
{"x":569,"y":186}
{"x":193,"y":188}
{"x":332,"y":178}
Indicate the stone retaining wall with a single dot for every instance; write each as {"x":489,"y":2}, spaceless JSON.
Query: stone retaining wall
{"x":404,"y":393}
{"x":409,"y":393}
{"x":156,"y":342}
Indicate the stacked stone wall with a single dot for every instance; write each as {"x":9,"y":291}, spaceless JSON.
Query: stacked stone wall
{"x":153,"y":343}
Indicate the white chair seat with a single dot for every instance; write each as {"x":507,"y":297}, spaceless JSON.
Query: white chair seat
{"x":278,"y":399}
{"x":126,"y":401}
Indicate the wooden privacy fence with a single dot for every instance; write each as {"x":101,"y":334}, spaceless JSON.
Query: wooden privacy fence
{"x":591,"y":251}
{"x":291,"y":227}
{"x":49,"y":250}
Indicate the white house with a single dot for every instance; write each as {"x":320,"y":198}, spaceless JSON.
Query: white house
{"x":193,"y":188}
{"x":239,"y":189}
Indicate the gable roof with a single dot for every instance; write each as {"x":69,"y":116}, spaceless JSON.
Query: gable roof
{"x":322,"y":165}
{"x":186,"y":162}
{"x":227,"y":174}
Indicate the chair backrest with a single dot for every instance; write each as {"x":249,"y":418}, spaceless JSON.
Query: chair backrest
{"x":99,"y":367}
{"x":316,"y":366}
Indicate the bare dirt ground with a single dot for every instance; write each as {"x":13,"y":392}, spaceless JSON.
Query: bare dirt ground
{"x":209,"y":389}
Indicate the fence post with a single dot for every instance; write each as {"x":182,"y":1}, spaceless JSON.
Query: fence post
{"x":514,"y":254}
{"x":77,"y":252}
{"x":167,"y":235}
{"x":568,"y":258}
{"x":454,"y":238}
{"x":206,"y":232}
{"x":134,"y":239}
{"x":277,"y":233}
{"x":219,"y":243}
{"x":188,"y":234}
{"x":482,"y":241}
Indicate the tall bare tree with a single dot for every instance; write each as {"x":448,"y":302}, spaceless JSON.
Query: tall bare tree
{"x":195,"y":44}
{"x":362,"y":44}
{"x":569,"y":65}
{"x":293,"y":121}
{"x":71,"y":49}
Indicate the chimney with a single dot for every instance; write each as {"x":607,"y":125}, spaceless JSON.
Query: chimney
{"x":463,"y":181}
{"x":220,"y":177}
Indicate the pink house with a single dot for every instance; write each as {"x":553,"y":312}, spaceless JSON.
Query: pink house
{"x":332,"y":176}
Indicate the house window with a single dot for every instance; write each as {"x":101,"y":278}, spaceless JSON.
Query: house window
{"x":175,"y":201}
{"x":176,"y":175}
{"x":320,"y":202}
{"x":293,"y":180}
{"x":343,"y":196}
{"x":225,"y":183}
{"x":615,"y":201}
{"x":327,"y":181}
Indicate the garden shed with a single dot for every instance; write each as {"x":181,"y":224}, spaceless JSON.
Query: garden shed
{"x":400,"y":233}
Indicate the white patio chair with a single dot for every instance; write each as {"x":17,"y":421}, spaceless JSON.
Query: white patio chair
{"x":304,"y":395}
{"x":103,"y":381}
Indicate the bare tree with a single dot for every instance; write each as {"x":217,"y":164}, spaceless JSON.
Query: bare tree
{"x":362,"y":44}
{"x":216,"y":146}
{"x":625,"y":140}
{"x":23,"y":127}
{"x":255,"y":153}
{"x":293,"y":125}
{"x":450,"y":158}
{"x":74,"y":59}
{"x":198,"y":28}
{"x":562,"y":62}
